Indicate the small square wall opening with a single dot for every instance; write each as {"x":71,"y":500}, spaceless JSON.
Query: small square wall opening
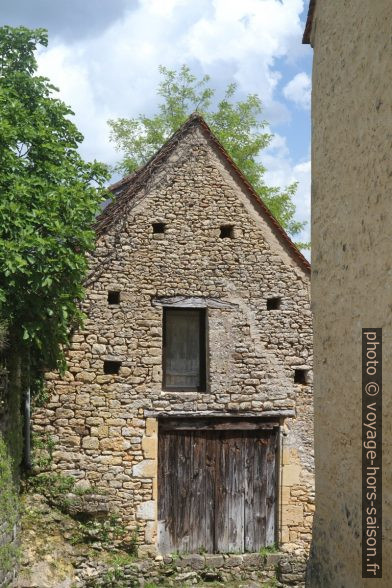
{"x":274,"y":303}
{"x":114,"y":297}
{"x":301,"y":376}
{"x":227,"y":232}
{"x":111,"y":367}
{"x":158,"y":228}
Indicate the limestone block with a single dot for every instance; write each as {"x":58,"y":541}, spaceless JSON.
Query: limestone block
{"x":98,"y":349}
{"x":285,"y":494}
{"x":90,"y":443}
{"x":114,"y":444}
{"x":51,"y":376}
{"x":129,"y":432}
{"x":285,"y":534}
{"x":145,"y":469}
{"x":82,"y":399}
{"x":150,"y":447}
{"x":86,"y":376}
{"x":146,"y":510}
{"x":64,"y":413}
{"x":289,"y":456}
{"x":73,"y":440}
{"x":293,"y":514}
{"x":291,"y":475}
{"x":150,"y":532}
{"x":151,"y":426}
{"x":101,"y":431}
{"x":157,"y":373}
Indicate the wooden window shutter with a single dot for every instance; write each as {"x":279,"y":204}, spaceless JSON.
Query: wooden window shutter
{"x":184,"y":349}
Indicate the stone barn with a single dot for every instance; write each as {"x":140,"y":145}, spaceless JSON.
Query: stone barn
{"x":188,"y":395}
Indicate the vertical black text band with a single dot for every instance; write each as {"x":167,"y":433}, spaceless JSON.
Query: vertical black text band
{"x":371,"y":453}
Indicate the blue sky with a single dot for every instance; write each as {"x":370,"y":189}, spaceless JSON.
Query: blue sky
{"x":104,"y":57}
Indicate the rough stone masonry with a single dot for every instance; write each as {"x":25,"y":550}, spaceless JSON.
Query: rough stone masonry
{"x":254,"y":285}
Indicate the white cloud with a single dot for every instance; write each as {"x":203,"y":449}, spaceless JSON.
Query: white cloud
{"x":283,"y":171}
{"x":298,"y":90}
{"x":116,"y":73}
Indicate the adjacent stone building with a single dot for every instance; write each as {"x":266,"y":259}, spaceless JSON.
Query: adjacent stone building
{"x":351,"y":276}
{"x":188,"y":395}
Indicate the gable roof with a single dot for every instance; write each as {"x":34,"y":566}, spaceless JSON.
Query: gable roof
{"x":309,"y":23}
{"x":125,"y":189}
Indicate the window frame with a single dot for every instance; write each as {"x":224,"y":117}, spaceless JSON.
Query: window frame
{"x":202,"y":387}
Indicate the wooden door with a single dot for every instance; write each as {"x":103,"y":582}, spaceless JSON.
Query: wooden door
{"x":216,"y":490}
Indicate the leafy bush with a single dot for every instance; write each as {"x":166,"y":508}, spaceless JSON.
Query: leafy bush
{"x":9,"y":509}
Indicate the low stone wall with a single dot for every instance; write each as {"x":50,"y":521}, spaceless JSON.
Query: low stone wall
{"x":276,"y":568}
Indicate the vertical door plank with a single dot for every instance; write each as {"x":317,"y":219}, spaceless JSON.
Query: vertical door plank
{"x":249,"y":522}
{"x":271,"y":488}
{"x":200,"y":537}
{"x":183,"y":481}
{"x":229,"y":501}
{"x":166,"y":491}
{"x":210,"y":486}
{"x":255,"y":506}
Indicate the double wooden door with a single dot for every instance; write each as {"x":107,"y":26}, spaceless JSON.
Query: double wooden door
{"x":216,"y":489}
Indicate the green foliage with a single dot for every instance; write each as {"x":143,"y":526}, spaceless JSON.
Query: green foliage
{"x":237,"y":125}
{"x":9,"y":508}
{"x":49,"y":199}
{"x":121,"y":559}
{"x":269,"y":549}
{"x":13,"y":432}
{"x":106,"y":533}
{"x":40,"y":393}
{"x":51,"y":485}
{"x":114,"y":578}
{"x":3,"y":369}
{"x":42,"y":446}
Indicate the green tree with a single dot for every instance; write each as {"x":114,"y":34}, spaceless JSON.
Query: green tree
{"x":237,"y":125}
{"x":49,"y":197}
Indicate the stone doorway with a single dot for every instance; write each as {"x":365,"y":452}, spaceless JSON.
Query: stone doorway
{"x":216,"y":485}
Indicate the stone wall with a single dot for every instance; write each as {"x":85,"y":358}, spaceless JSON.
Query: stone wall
{"x":251,"y":569}
{"x":351,"y":269}
{"x":105,"y":426}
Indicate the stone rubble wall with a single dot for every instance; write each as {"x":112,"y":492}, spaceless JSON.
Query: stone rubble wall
{"x":105,"y":427}
{"x":195,"y":569}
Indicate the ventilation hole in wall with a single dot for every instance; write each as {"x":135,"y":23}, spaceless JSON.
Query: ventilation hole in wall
{"x":274,"y":303}
{"x":158,"y":228}
{"x":113,"y":297}
{"x":227,"y":232}
{"x":300,"y":376}
{"x":111,"y":367}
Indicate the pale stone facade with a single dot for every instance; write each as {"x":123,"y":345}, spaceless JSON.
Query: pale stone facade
{"x":106,"y":426}
{"x":351,"y":269}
